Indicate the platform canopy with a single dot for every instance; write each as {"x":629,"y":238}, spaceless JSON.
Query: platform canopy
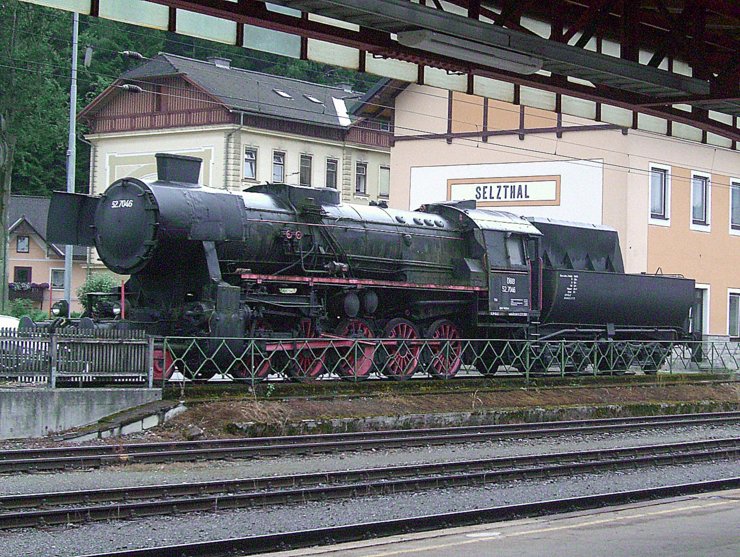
{"x":669,"y":66}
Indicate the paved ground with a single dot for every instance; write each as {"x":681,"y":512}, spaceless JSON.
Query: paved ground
{"x":694,"y":526}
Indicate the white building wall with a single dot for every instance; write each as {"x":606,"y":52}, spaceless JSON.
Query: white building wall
{"x":266,"y":143}
{"x":132,"y":154}
{"x":222,"y":150}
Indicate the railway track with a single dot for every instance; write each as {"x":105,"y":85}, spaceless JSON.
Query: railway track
{"x":44,"y":509}
{"x":354,"y":532}
{"x":59,"y":458}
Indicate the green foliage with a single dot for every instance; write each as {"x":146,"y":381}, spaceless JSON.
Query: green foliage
{"x":32,"y":95}
{"x":21,"y":307}
{"x":97,"y":282}
{"x":35,"y":67}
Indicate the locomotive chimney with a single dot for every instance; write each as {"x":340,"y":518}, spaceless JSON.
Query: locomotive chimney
{"x":178,"y":168}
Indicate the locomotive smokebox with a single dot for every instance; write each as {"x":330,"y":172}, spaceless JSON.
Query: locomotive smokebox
{"x":126,"y":222}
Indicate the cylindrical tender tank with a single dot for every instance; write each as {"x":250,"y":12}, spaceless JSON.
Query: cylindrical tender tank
{"x":591,"y":297}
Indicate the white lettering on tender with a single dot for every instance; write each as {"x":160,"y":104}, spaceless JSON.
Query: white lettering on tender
{"x":571,"y":286}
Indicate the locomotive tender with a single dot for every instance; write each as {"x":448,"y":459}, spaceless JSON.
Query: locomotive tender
{"x":279,"y":261}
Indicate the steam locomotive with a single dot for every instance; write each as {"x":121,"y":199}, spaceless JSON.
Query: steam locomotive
{"x":279,"y":261}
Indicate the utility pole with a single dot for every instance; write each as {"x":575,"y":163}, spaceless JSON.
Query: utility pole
{"x":7,"y":147}
{"x":71,"y":156}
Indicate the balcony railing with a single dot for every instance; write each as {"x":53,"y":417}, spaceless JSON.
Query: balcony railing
{"x":27,"y":291}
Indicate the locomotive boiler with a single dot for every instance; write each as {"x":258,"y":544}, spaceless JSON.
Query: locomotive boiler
{"x":279,"y":261}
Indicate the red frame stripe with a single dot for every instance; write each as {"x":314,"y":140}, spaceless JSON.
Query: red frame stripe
{"x":356,"y":282}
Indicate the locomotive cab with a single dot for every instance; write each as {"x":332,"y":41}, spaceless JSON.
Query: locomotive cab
{"x":507,"y":249}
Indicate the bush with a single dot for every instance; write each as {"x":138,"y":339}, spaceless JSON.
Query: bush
{"x":97,"y":282}
{"x":21,"y":307}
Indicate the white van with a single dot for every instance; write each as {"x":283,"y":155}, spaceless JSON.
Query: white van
{"x":8,"y":322}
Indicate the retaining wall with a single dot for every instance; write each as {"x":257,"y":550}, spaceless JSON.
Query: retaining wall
{"x":35,"y":412}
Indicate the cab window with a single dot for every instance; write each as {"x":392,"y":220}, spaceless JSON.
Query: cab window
{"x":505,"y":250}
{"x":515,"y":250}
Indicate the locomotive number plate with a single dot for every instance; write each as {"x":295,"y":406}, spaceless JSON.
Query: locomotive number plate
{"x":509,"y":292}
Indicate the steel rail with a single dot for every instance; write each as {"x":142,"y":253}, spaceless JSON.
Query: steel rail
{"x":332,"y":485}
{"x":355,"y":532}
{"x":25,"y":460}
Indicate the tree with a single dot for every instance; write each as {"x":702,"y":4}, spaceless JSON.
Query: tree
{"x":34,"y":83}
{"x":97,"y":282}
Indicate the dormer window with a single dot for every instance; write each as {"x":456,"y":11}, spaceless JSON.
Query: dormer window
{"x":313,"y":99}
{"x":21,"y":244}
{"x":282,"y":93}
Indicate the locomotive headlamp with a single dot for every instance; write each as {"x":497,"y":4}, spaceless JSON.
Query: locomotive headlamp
{"x":116,"y":309}
{"x":60,"y":308}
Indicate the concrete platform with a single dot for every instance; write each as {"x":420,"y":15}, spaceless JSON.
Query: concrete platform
{"x":682,"y":527}
{"x":38,"y":411}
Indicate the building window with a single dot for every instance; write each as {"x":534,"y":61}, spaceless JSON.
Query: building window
{"x":21,"y":244}
{"x":733,"y":328}
{"x":250,"y":163}
{"x":735,"y":206}
{"x":361,"y":178}
{"x":21,"y":274}
{"x":659,"y":193}
{"x":332,"y":166}
{"x":305,"y":174}
{"x":384,"y":182}
{"x":57,"y":279}
{"x":700,"y":310}
{"x":278,"y":167}
{"x":700,"y":200}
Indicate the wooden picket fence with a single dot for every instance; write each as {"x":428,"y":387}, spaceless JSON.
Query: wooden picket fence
{"x":75,"y":356}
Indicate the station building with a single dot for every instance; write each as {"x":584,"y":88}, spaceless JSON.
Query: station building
{"x":248,"y":127}
{"x":675,"y":202}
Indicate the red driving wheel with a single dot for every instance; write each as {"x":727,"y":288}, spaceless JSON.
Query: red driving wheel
{"x":306,"y":363}
{"x":164,"y":365}
{"x":356,"y":362}
{"x":443,"y":355}
{"x":399,"y":360}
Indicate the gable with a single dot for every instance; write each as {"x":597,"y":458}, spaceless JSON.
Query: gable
{"x":165,"y":103}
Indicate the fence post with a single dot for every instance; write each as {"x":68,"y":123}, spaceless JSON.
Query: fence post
{"x":562,"y":358}
{"x":52,"y":360}
{"x":150,"y":361}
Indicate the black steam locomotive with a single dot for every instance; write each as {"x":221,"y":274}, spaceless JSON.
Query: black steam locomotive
{"x":280,"y":261}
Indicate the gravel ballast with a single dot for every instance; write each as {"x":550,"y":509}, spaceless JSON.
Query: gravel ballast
{"x":117,"y":535}
{"x":183,"y":472}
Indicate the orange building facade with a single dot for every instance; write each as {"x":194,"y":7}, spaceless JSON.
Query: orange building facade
{"x":674,"y":202}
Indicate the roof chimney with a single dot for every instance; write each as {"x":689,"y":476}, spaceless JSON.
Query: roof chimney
{"x":220,"y":62}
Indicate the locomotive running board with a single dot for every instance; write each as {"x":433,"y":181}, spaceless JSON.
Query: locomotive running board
{"x":311,"y":281}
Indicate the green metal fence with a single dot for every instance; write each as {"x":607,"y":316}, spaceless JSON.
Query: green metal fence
{"x":308,"y":359}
